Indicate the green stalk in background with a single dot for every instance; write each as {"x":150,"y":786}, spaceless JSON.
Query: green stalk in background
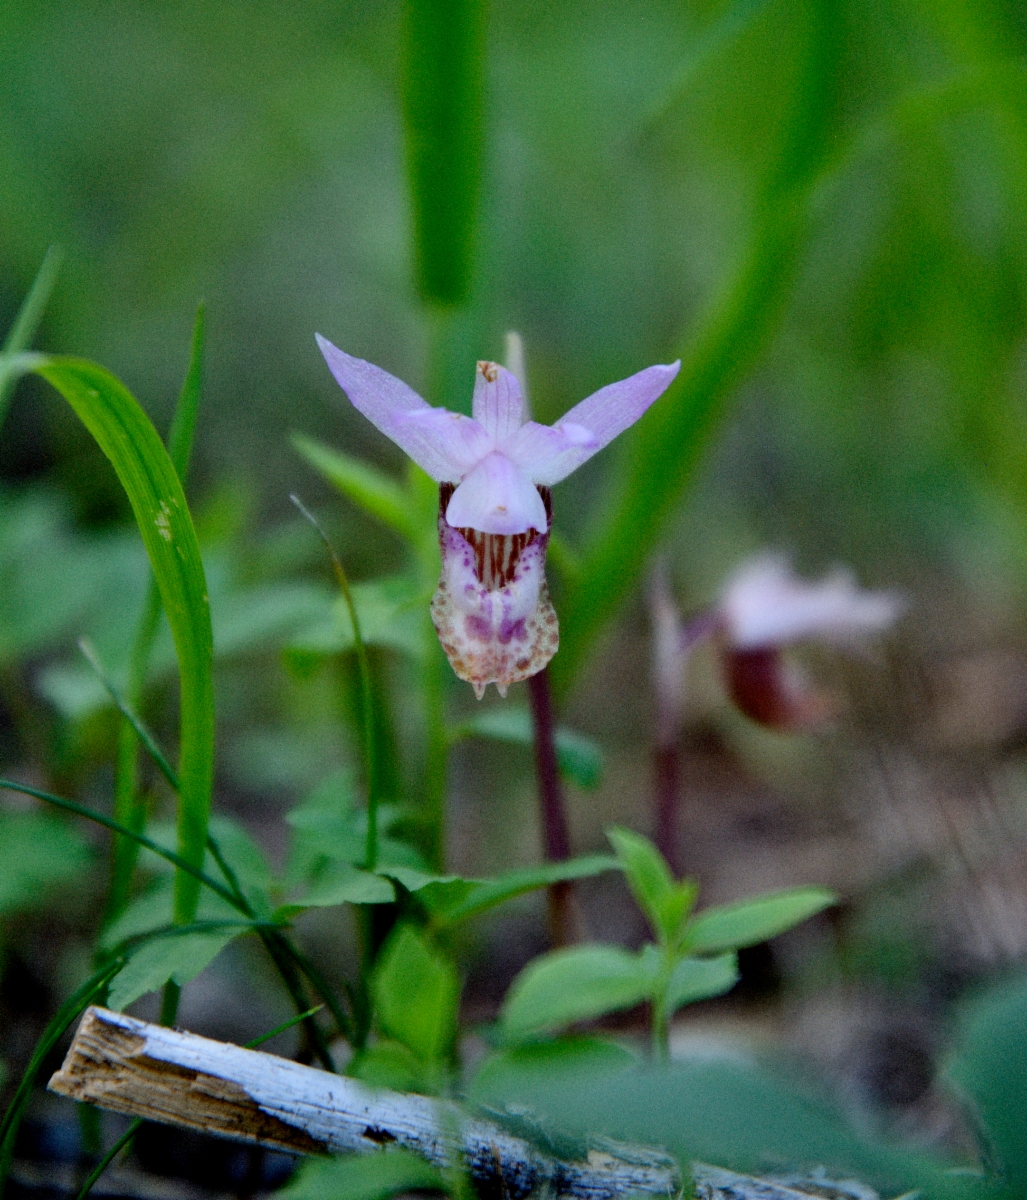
{"x":443,"y":57}
{"x":443,"y":88}
{"x":129,"y":805}
{"x":26,"y":323}
{"x":666,"y":446}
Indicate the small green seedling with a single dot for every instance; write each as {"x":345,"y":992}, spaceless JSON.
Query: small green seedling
{"x":693,"y":957}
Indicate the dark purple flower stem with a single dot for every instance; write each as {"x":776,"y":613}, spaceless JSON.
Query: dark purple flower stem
{"x":666,"y":789}
{"x":552,"y":809}
{"x":666,"y":750}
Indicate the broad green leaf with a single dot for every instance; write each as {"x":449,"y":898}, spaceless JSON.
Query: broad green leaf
{"x":989,"y":1068}
{"x":38,"y":853}
{"x":733,"y":926}
{"x":340,"y":883}
{"x":450,"y":901}
{"x":416,"y":992}
{"x":177,"y":957}
{"x":246,"y":859}
{"x":699,"y":979}
{"x":127,"y":437}
{"x":389,"y":1064}
{"x":648,"y":876}
{"x":574,"y":984}
{"x":363,"y":1177}
{"x":51,"y":578}
{"x":737,"y":1116}
{"x":416,"y":881}
{"x":154,"y":909}
{"x":583,"y":1060}
{"x":328,"y":825}
{"x":580,"y":760}
{"x":368,"y":488}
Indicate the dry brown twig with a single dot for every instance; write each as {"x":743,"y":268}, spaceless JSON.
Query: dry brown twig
{"x":166,"y":1075}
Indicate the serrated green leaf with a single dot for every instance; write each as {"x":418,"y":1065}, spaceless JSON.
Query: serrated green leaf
{"x":579,"y":758}
{"x":178,"y":958}
{"x":451,"y":901}
{"x":363,"y":1177}
{"x":38,"y":853}
{"x":128,"y":438}
{"x":340,"y":883}
{"x":390,"y":612}
{"x":574,"y":984}
{"x":370,"y":489}
{"x":699,"y":979}
{"x":734,"y":926}
{"x":416,"y":992}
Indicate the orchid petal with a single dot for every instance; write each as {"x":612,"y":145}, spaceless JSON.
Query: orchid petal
{"x":549,"y":453}
{"x":765,"y":604}
{"x":610,"y":411}
{"x":455,"y":444}
{"x":498,"y":404}
{"x":497,"y":497}
{"x":386,"y":401}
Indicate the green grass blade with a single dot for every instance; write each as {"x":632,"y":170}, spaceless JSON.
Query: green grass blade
{"x":67,"y":1013}
{"x":183,"y":424}
{"x":369,"y":489}
{"x":26,"y":323}
{"x":129,"y":808}
{"x":140,"y":730}
{"x":170,"y":856}
{"x":367,"y":719}
{"x":443,"y":54}
{"x":128,"y":438}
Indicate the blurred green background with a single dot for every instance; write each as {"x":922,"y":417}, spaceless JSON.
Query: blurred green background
{"x":252,"y":154}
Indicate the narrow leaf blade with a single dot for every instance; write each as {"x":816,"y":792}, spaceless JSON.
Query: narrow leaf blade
{"x":127,"y":437}
{"x":370,"y":489}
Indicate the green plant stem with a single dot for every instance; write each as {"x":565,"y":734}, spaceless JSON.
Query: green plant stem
{"x":283,"y":953}
{"x":436,"y":767}
{"x":443,"y":91}
{"x":374,"y":786}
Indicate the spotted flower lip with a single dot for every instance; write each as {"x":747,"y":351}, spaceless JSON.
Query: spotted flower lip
{"x":496,"y":458}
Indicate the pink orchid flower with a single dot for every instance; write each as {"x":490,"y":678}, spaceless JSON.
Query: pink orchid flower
{"x":495,"y":468}
{"x":765,"y":607}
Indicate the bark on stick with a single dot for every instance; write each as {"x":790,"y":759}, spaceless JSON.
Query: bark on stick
{"x":143,"y":1070}
{"x":175,"y":1078}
